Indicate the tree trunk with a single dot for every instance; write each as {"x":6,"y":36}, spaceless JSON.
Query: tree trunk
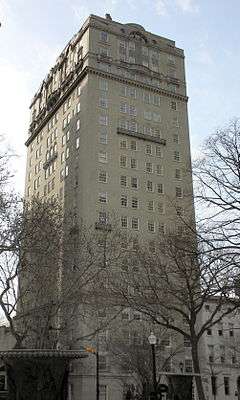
{"x":196,"y":368}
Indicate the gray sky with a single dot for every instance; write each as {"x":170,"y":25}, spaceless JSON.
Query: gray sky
{"x":33,"y":32}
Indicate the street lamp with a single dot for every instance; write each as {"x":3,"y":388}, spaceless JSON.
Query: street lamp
{"x":153,"y":340}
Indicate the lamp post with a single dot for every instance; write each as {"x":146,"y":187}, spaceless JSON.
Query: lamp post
{"x":153,"y":340}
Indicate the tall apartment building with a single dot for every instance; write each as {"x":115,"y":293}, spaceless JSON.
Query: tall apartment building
{"x":109,"y":131}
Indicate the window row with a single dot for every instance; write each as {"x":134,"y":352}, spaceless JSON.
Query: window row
{"x":130,"y":74}
{"x":134,"y":223}
{"x":134,"y":126}
{"x":133,"y":183}
{"x":145,"y":96}
{"x":150,"y":168}
{"x":134,"y":202}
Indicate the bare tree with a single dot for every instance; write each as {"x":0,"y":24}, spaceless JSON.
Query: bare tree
{"x":217,"y":178}
{"x":130,"y":351}
{"x":173,"y":283}
{"x":52,"y":269}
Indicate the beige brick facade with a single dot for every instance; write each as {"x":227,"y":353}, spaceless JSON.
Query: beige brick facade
{"x":109,"y":137}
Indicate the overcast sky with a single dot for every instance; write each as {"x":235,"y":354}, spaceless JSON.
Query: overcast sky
{"x":34,"y":32}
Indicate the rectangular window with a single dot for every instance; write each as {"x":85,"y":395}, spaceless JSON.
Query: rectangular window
{"x":173,"y":105}
{"x":156,"y":100}
{"x":103,"y":51}
{"x":132,"y":46}
{"x":188,"y":365}
{"x":103,"y":84}
{"x":171,"y":59}
{"x":160,"y":207}
{"x":66,"y":170}
{"x":187,"y":342}
{"x":104,"y":36}
{"x":159,"y":169}
{"x":147,"y":115}
{"x":158,"y":151}
{"x":132,"y":110}
{"x":123,"y":180}
{"x":122,"y":45}
{"x":102,"y":362}
{"x":133,"y":145}
{"x":124,"y":222}
{"x":78,"y":107}
{"x":160,"y":188}
{"x":226,"y":385}
{"x":179,"y":192}
{"x":161,"y":228}
{"x":149,"y":186}
{"x":149,"y":167}
{"x":103,"y":102}
{"x":103,"y":137}
{"x":123,"y":91}
{"x":150,"y":205}
{"x":123,"y":108}
{"x":176,"y":156}
{"x":133,"y":163}
{"x":102,"y":177}
{"x":175,"y":121}
{"x":103,"y":119}
{"x":151,"y":226}
{"x":124,"y":201}
{"x":132,"y":92}
{"x":177,"y":173}
{"x":103,"y":394}
{"x":179,"y":211}
{"x":176,"y":138}
{"x":102,"y":217}
{"x":123,"y":161}
{"x":146,"y":97}
{"x":102,"y":197}
{"x":79,"y":90}
{"x":134,"y":202}
{"x":135,"y":223}
{"x":123,"y":144}
{"x":134,"y":182}
{"x":132,"y":126}
{"x":156,"y":117}
{"x":148,"y":149}
{"x":102,"y":157}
